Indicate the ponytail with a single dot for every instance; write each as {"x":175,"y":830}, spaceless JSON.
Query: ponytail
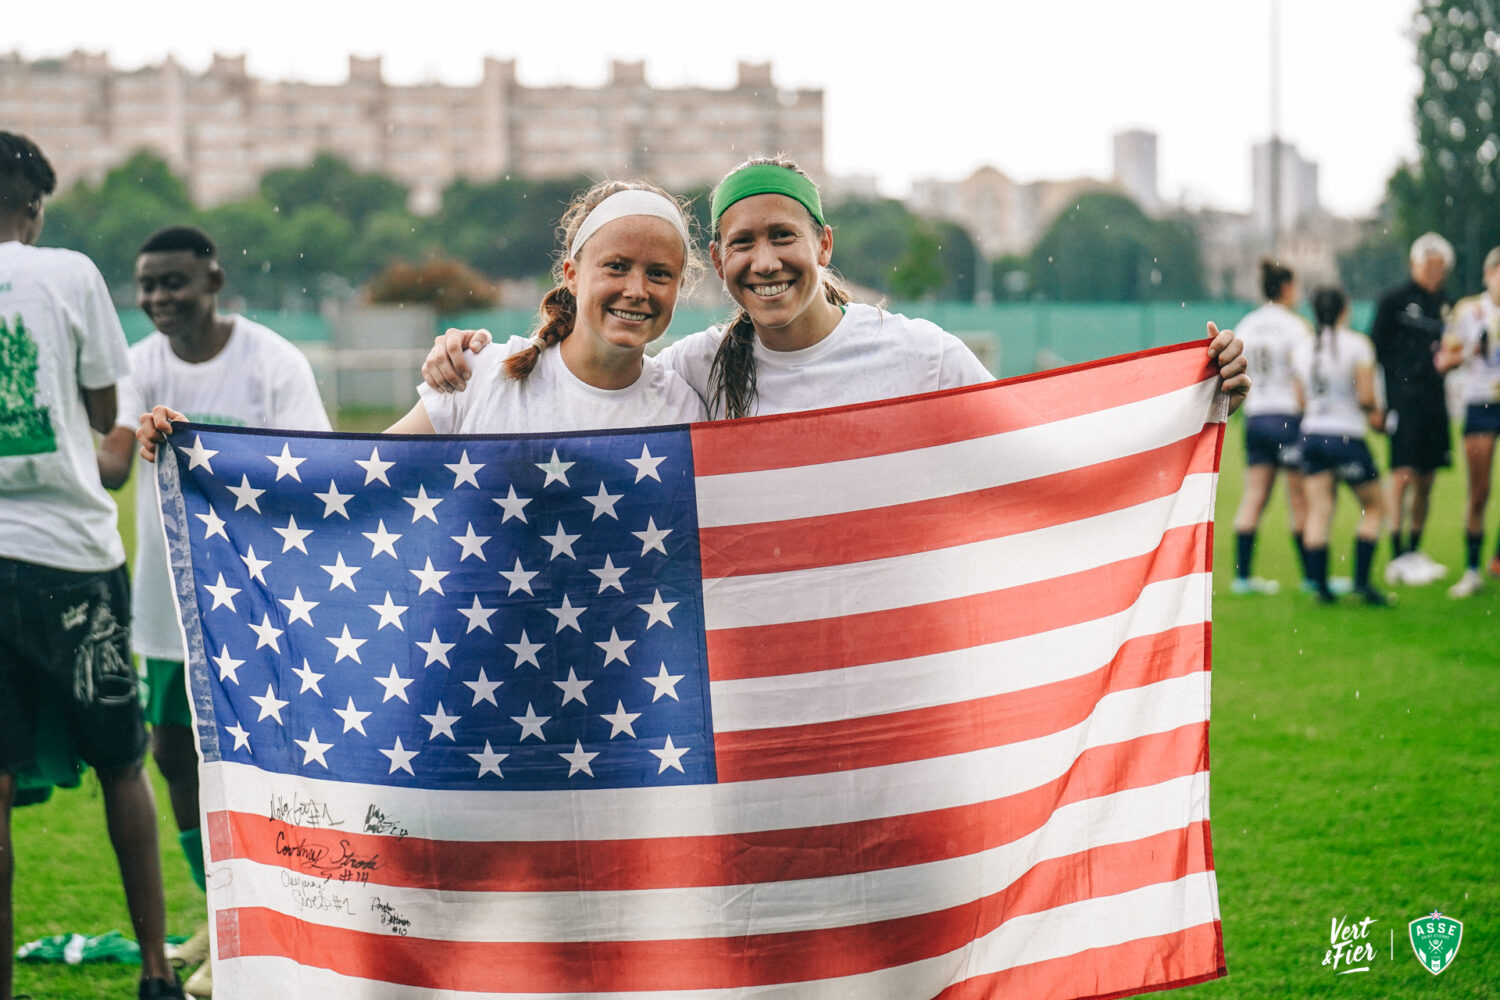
{"x":558,"y":312}
{"x":732,"y":375}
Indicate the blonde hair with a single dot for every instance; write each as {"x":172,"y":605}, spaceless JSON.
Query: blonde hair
{"x":731,"y":378}
{"x":559,"y":309}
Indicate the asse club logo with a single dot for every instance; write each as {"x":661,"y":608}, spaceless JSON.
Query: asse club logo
{"x":1436,"y":938}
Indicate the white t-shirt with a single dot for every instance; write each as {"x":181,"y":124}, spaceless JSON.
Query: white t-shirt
{"x":58,"y":332}
{"x":1332,"y":399}
{"x":259,"y":379}
{"x":1473,"y":317}
{"x":1270,"y":334}
{"x":871,"y":354}
{"x":552,"y":398}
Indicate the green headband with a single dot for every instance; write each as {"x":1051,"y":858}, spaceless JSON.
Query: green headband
{"x":766,"y":178}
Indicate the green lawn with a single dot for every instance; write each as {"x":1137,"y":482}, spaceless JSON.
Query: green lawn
{"x":1354,"y":773}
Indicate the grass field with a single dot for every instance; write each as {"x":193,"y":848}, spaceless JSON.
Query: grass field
{"x":1354,"y":775}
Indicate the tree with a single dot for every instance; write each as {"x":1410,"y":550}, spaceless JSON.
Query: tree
{"x":505,"y":228}
{"x":880,"y":244}
{"x":1451,"y":188}
{"x":1106,"y":249}
{"x":449,"y":286}
{"x":330,"y":182}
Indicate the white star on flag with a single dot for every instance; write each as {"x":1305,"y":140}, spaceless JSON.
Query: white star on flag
{"x":513,"y":506}
{"x":245,"y":495}
{"x":297,"y":608}
{"x":400,"y":757}
{"x":313,"y":750}
{"x":254,"y":565}
{"x":286,"y":465}
{"x":333,"y":500}
{"x":353,"y":718}
{"x":557,"y":472}
{"x":431,"y":578}
{"x":199,"y":455}
{"x":463,"y":471}
{"x":561,"y":542}
{"x":347,"y":645}
{"x":531,"y":724}
{"x":519,"y":578}
{"x":567,"y":615}
{"x":646,"y":464}
{"x":223,"y":594}
{"x":478,"y":616}
{"x":489,"y":761}
{"x":423,"y":506}
{"x":609,"y":575}
{"x":383,"y":541}
{"x":227,"y":665}
{"x":310,"y":679}
{"x":652,"y":537}
{"x":293,"y":536}
{"x":604,"y":503}
{"x":390,"y":613}
{"x":441,"y":722}
{"x":670,"y":756}
{"x":525,"y":650}
{"x":484,"y":689}
{"x":614,"y":648}
{"x":213,"y":525}
{"x":579,"y":759}
{"x":266,"y":633}
{"x":620,"y":721}
{"x":658,"y":611}
{"x":395,"y":685}
{"x":241,"y":737}
{"x":664,"y":683}
{"x":572,"y":688}
{"x":436,"y":649}
{"x":341,"y":574}
{"x":270,"y":705}
{"x":374,"y":467}
{"x":473,"y":545}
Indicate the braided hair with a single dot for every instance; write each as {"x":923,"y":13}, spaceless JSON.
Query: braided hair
{"x":1328,"y":304}
{"x":559,"y":308}
{"x":732,"y":376}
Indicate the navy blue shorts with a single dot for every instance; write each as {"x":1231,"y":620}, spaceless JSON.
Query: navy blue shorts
{"x":1272,"y":439}
{"x":1349,"y":459}
{"x":1482,"y":418}
{"x":65,"y":655}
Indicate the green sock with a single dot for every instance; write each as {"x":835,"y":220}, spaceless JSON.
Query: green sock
{"x":192,"y":847}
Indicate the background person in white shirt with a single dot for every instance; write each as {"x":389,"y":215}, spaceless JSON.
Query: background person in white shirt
{"x":1335,"y":372}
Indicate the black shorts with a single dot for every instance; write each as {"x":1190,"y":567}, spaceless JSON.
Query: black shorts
{"x":1482,"y":418}
{"x":65,"y":649}
{"x":1421,"y":440}
{"x":1272,"y":439}
{"x":1349,"y":459}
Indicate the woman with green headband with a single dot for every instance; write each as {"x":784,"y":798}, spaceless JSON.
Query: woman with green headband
{"x":797,"y":342}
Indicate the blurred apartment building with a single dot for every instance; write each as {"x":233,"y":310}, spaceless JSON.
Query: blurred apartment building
{"x":221,"y":129}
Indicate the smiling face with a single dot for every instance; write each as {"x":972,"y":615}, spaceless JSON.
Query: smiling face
{"x":177,"y":289}
{"x":625,"y":280}
{"x":770,"y":252}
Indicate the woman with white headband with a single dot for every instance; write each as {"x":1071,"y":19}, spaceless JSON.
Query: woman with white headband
{"x":797,"y":342}
{"x":627,"y":253}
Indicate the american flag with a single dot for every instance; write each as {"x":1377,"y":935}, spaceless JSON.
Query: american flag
{"x":892,"y":701}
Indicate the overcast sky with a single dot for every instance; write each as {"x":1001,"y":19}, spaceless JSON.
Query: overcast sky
{"x":932,"y":89}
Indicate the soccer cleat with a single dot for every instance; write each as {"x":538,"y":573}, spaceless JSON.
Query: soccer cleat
{"x":1374,"y":597}
{"x":1395,"y":570}
{"x":201,"y":983}
{"x":1468,"y":585}
{"x":1424,"y":570}
{"x":1340,"y":585}
{"x":1254,"y":585}
{"x":157,"y":988}
{"x":193,"y":951}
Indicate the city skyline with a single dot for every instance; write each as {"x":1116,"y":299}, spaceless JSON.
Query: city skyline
{"x":1197,"y":78}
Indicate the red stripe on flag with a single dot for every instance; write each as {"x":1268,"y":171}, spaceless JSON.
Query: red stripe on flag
{"x":1164,"y":962}
{"x":787,"y":440}
{"x":714,"y":963}
{"x":747,"y":858}
{"x":802,"y":543}
{"x":940,"y":730}
{"x":941,"y":626}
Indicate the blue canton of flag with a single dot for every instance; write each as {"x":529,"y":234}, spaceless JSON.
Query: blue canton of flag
{"x":494,"y":612}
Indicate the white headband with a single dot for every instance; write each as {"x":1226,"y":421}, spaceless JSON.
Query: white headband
{"x":632,"y":201}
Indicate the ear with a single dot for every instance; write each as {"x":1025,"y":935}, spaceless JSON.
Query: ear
{"x":570,"y":276}
{"x":216,"y":277}
{"x":825,"y":246}
{"x":713,"y":255}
